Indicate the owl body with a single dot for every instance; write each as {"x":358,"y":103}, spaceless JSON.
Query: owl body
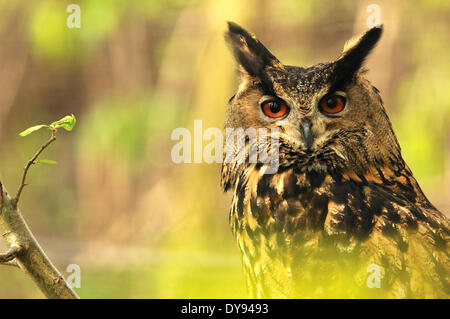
{"x":343,"y":215}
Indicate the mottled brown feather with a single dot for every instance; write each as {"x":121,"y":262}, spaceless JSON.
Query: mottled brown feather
{"x":313,"y":228}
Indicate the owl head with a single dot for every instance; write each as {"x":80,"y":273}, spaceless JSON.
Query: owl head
{"x":329,"y":116}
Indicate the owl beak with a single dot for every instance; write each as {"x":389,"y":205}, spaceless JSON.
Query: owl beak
{"x":305,"y":128}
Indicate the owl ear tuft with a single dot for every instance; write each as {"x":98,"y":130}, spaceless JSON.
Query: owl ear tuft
{"x":355,"y":52}
{"x":251,"y":55}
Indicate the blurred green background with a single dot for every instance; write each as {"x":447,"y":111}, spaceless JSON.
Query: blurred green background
{"x":138,"y":225}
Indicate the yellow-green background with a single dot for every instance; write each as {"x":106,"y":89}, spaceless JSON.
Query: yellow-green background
{"x":138,"y":225}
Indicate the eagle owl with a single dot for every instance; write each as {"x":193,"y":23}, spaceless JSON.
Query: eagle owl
{"x":343,"y":216}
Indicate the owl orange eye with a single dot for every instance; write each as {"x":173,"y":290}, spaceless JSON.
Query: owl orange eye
{"x":274,"y":109}
{"x":332,"y":103}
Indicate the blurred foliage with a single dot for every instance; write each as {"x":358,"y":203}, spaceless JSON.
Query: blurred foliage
{"x":424,"y":98}
{"x":125,"y":132}
{"x":136,"y":223}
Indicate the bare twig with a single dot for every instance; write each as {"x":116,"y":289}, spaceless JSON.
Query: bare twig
{"x":26,"y":251}
{"x":29,"y":164}
{"x":12,"y":253}
{"x":11,"y":263}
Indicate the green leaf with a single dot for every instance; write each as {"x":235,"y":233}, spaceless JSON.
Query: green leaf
{"x":67,"y":123}
{"x":32,"y":129}
{"x":46,"y":161}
